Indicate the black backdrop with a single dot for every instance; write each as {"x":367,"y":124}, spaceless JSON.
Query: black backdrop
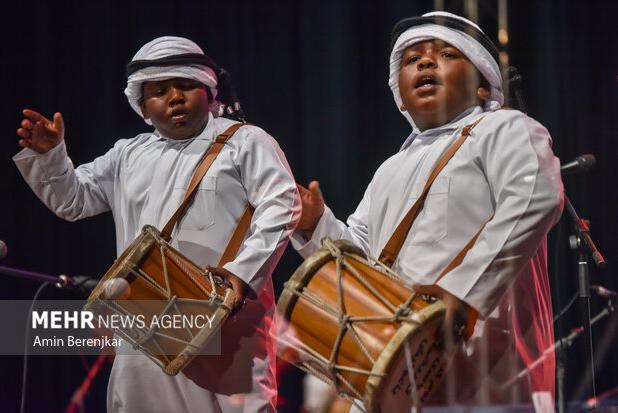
{"x":313,"y":74}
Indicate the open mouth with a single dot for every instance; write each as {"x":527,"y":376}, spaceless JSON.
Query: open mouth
{"x":426,"y":82}
{"x":179,"y":115}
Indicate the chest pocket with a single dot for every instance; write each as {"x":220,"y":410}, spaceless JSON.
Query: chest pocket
{"x":201,"y":214}
{"x":430,"y":225}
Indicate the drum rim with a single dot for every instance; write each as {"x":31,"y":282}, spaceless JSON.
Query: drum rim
{"x":381,"y":366}
{"x":202,"y":338}
{"x":134,"y":256}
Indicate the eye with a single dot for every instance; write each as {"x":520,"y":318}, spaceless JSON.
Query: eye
{"x":450,"y":54}
{"x":189,"y":85}
{"x":154,"y":91}
{"x":413,"y":59}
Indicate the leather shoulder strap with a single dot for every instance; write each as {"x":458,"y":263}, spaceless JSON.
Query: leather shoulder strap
{"x":238,"y":235}
{"x":393,"y":246}
{"x":207,"y":160}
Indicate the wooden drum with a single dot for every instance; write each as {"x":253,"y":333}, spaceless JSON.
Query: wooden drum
{"x":151,"y":280}
{"x":356,"y":325}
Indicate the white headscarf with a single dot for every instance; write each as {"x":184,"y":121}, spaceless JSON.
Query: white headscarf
{"x":163,"y":47}
{"x":474,"y":51}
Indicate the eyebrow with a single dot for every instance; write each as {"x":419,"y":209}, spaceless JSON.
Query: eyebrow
{"x":438,"y":42}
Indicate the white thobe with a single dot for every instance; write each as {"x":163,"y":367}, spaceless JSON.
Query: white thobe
{"x":504,"y":175}
{"x":142,"y":181}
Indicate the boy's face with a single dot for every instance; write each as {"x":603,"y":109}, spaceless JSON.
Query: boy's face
{"x":437,"y":82}
{"x":177,"y":107}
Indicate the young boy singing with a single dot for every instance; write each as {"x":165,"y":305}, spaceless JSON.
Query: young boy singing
{"x":503,"y":183}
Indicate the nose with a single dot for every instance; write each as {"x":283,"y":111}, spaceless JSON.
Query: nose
{"x":426,"y":62}
{"x":176,"y":96}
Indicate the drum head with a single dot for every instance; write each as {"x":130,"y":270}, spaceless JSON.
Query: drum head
{"x":393,"y":392}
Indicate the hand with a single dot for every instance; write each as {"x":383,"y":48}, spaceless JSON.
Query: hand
{"x":240,"y":288}
{"x":459,"y":315}
{"x":39,"y":133}
{"x":313,"y":207}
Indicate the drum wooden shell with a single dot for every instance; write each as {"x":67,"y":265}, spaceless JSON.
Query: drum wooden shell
{"x":162,"y":280}
{"x":311,"y":305}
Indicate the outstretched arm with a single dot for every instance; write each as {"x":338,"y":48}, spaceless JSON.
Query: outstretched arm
{"x":70,"y":193}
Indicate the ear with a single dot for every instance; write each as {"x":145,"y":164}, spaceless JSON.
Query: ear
{"x":142,"y":106}
{"x":483,"y":93}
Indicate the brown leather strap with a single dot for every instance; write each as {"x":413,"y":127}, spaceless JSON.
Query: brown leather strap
{"x":461,"y":255}
{"x":207,"y":160}
{"x":393,"y":246}
{"x":237,"y":237}
{"x":472,"y":315}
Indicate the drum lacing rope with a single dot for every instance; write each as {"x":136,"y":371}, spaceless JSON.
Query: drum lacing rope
{"x":188,"y":272}
{"x":153,"y":283}
{"x":335,"y":250}
{"x":181,"y":264}
{"x":213,"y":292}
{"x":332,"y":377}
{"x":344,"y":317}
{"x":413,"y":389}
{"x":166,"y":277}
{"x":113,"y":306}
{"x":403,"y":310}
{"x":346,"y":321}
{"x":400,"y":312}
{"x":152,"y":331}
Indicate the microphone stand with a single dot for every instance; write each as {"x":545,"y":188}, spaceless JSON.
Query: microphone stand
{"x":84,"y":285}
{"x":559,"y":346}
{"x":81,"y":283}
{"x":585,"y":247}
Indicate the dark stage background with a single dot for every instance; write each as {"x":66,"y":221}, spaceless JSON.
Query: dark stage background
{"x":313,"y":74}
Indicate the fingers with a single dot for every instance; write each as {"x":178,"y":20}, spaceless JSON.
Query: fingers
{"x":429,"y":289}
{"x":239,"y":294}
{"x":24,"y":143}
{"x":316,"y":192}
{"x":301,"y":189}
{"x":239,"y":287}
{"x":27,"y":124}
{"x":58,"y":122}
{"x":445,"y":334}
{"x":25,"y":131}
{"x":39,"y":133}
{"x":313,"y":190}
{"x":33,"y":115}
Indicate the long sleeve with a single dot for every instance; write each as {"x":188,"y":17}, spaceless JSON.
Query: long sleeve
{"x":71,"y":193}
{"x":272,"y":192}
{"x":524,"y":179}
{"x":356,"y":231}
